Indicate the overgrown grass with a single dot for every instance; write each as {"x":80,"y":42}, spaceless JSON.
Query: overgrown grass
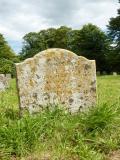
{"x":57,"y":135}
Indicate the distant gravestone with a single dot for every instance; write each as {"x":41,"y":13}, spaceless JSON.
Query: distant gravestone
{"x":104,"y":73}
{"x":8,"y":76}
{"x":56,"y":76}
{"x":3,"y":82}
{"x":98,"y":73}
{"x":114,"y":73}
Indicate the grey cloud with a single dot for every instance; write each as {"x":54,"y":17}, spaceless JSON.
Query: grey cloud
{"x":55,"y":12}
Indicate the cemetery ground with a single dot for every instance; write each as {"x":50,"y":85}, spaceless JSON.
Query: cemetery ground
{"x":57,"y":135}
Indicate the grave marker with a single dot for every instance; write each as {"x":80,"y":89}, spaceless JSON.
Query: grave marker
{"x":56,"y":76}
{"x":114,"y":73}
{"x":3,"y":82}
{"x":8,"y":76}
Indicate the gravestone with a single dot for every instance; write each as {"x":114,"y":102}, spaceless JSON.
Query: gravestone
{"x":98,"y":73}
{"x":8,"y":76}
{"x":104,"y":73}
{"x":114,"y":73}
{"x":3,"y":82}
{"x":56,"y":76}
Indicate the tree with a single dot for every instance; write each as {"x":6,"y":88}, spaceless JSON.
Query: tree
{"x":49,"y":38}
{"x":7,"y":57}
{"x":89,"y":41}
{"x":92,"y":43}
{"x":30,"y":45}
{"x":5,"y":50}
{"x":114,"y":33}
{"x":61,"y":37}
{"x":7,"y":66}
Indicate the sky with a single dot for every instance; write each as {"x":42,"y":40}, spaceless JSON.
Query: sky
{"x":19,"y":17}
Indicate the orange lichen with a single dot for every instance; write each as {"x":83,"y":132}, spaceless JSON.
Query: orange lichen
{"x":62,"y":75}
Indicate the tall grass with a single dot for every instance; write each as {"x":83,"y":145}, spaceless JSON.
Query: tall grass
{"x":57,"y":135}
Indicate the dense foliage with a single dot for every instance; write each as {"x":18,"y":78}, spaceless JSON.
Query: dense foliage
{"x":92,"y":43}
{"x":7,"y":57}
{"x":49,"y":38}
{"x":5,"y":50}
{"x":7,"y":66}
{"x":89,"y":41}
{"x":114,"y":33}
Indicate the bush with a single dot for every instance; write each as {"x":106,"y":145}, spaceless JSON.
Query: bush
{"x":7,"y":66}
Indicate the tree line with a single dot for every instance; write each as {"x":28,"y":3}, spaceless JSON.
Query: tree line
{"x":7,"y":57}
{"x":89,"y":41}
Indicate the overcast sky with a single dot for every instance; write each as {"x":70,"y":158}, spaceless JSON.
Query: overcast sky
{"x":18,"y":17}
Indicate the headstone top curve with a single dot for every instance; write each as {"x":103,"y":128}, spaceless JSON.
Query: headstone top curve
{"x":52,"y":51}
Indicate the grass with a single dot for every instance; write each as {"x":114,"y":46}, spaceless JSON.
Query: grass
{"x":57,"y":135}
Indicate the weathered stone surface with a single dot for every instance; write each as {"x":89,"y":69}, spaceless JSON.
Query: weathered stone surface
{"x":114,"y":73}
{"x":3,"y":82}
{"x":56,"y":76}
{"x":8,"y":76}
{"x":98,"y":73}
{"x":104,"y":73}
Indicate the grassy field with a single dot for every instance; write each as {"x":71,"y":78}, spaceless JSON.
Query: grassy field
{"x":56,"y":135}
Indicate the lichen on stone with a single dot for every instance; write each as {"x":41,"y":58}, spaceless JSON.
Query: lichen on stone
{"x":56,"y":76}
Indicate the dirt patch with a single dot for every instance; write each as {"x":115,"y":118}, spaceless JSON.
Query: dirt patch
{"x":38,"y":157}
{"x":115,"y":155}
